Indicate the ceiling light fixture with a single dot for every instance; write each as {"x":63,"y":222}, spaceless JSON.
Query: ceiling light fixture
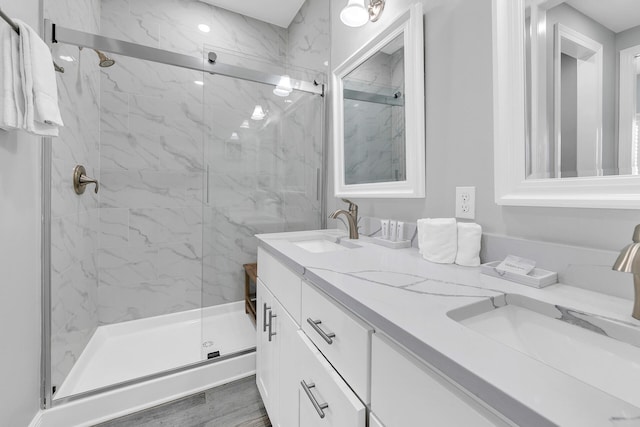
{"x":204,"y":28}
{"x":234,"y":136}
{"x":356,"y":14}
{"x":284,"y":86}
{"x":67,"y":58}
{"x":245,"y":124}
{"x":199,"y":82}
{"x":258,"y":113}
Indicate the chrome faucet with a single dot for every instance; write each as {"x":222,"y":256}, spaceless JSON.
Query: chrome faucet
{"x":629,"y":262}
{"x":352,"y":218}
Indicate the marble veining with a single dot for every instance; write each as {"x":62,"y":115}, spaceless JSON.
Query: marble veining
{"x":411,"y":282}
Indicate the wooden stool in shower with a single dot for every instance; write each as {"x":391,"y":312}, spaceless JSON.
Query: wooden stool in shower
{"x":250,"y":275}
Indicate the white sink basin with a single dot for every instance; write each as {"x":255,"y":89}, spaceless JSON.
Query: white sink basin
{"x":597,"y":351}
{"x":324,"y":244}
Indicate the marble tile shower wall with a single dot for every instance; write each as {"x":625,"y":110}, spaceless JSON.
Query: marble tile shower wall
{"x":161,"y":133}
{"x":75,"y":221}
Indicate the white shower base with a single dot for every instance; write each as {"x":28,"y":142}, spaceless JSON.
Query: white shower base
{"x":131,"y":350}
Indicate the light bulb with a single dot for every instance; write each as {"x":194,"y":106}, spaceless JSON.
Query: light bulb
{"x":284,"y":86}
{"x":258,"y":113}
{"x":354,"y":14}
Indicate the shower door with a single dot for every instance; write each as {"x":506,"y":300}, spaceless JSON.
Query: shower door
{"x":263,"y":157}
{"x":126,"y":285}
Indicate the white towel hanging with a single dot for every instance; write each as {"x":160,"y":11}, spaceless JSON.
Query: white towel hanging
{"x":39,"y":87}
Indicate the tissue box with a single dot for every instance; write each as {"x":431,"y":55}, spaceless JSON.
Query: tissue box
{"x":537,"y":278}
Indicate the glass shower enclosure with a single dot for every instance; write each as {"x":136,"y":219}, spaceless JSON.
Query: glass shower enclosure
{"x":194,"y":157}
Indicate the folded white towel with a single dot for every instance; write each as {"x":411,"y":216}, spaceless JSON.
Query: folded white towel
{"x":11,"y":96}
{"x":42,"y":113}
{"x":437,"y":239}
{"x":469,"y":236}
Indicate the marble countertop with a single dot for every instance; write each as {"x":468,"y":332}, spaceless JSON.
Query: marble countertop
{"x":408,"y":298}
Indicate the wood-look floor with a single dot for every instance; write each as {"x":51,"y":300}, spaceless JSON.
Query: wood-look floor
{"x":236,"y":404}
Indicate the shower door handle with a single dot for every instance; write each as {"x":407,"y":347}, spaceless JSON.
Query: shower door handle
{"x":271,"y":316}
{"x":264,"y":317}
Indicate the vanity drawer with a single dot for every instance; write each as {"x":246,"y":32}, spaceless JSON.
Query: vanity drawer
{"x":283,"y":283}
{"x":343,"y":339}
{"x":325,"y":399}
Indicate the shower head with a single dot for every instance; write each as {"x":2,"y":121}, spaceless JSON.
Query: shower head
{"x":105,"y":61}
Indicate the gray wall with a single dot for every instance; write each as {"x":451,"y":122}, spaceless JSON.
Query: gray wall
{"x":20,"y":260}
{"x":459,"y":125}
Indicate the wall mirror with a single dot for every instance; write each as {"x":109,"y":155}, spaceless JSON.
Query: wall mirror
{"x":567,"y":103}
{"x":379,"y":137}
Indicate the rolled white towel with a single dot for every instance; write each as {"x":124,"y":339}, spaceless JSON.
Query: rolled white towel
{"x":437,"y":239}
{"x":469,"y":236}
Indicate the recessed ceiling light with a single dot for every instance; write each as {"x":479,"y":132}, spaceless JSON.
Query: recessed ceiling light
{"x":199,"y":82}
{"x":204,"y":28}
{"x":67,"y":58}
{"x":258,"y":113}
{"x":326,"y":63}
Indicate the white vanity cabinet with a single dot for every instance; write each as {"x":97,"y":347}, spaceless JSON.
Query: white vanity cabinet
{"x":277,"y":362}
{"x":406,"y":392}
{"x":294,"y":378}
{"x":318,"y":364}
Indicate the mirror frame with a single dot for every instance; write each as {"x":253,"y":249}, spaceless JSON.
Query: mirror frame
{"x":512,"y":188}
{"x":409,"y":23}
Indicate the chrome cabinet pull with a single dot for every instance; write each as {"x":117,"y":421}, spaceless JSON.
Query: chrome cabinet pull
{"x":264,"y":316}
{"x":326,"y":336}
{"x":318,"y":406}
{"x":271,"y":316}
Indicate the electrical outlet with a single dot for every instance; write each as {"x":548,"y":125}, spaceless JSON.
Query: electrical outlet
{"x":466,"y":202}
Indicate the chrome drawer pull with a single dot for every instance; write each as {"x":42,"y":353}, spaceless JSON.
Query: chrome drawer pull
{"x":326,"y":336}
{"x":264,"y":316}
{"x":271,"y":316}
{"x":319,"y":406}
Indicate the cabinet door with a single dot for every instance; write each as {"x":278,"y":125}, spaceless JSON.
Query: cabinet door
{"x":265,"y":350}
{"x":325,"y":399}
{"x":406,"y":392}
{"x":288,"y":349}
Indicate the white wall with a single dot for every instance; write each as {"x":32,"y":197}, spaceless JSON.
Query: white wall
{"x":459,"y":129}
{"x":20,"y":260}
